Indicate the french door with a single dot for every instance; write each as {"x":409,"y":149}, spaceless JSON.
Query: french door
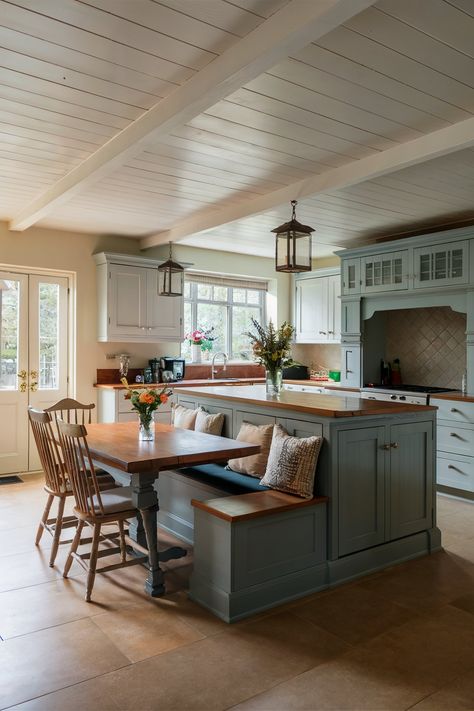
{"x":33,"y":359}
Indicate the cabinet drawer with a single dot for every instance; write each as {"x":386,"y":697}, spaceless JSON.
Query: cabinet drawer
{"x":452,"y":438}
{"x":456,"y":472}
{"x":455,"y":410}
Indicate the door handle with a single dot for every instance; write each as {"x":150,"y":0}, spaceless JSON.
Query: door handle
{"x":23,"y":375}
{"x":34,"y":380}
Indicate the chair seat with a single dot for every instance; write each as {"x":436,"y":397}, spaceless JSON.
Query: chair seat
{"x":114,"y":500}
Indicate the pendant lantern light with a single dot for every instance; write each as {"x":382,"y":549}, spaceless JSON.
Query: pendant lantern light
{"x":293,"y":245}
{"x":170,"y":278}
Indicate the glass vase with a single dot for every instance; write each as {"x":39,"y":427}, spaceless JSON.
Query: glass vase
{"x":273,"y":380}
{"x":146,"y":431}
{"x":195,"y":353}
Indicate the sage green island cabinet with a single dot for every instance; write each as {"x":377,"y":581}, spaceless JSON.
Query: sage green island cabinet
{"x":376,"y":471}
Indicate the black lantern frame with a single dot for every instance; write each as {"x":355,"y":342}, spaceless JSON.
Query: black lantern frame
{"x":293,"y":245}
{"x":170,"y":278}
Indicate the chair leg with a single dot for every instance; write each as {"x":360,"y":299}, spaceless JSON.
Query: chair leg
{"x":57,"y":531}
{"x":73,"y":549}
{"x":123,"y":549}
{"x":44,"y":518}
{"x":93,"y":561}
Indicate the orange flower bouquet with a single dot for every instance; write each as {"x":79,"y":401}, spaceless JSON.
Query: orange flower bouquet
{"x":145,"y":402}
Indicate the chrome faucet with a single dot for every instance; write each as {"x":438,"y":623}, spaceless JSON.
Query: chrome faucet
{"x":213,"y":367}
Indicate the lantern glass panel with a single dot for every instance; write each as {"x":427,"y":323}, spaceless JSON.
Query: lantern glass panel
{"x":171,"y":283}
{"x":293,"y":251}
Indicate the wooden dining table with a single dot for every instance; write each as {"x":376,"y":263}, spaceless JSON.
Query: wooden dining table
{"x":116,"y":448}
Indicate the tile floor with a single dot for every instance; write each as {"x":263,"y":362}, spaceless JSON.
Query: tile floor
{"x":400,"y":639}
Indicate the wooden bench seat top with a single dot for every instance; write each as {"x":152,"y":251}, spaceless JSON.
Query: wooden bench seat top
{"x":243,"y":507}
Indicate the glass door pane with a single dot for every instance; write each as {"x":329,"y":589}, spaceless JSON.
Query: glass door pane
{"x":9,"y":333}
{"x":48,"y":335}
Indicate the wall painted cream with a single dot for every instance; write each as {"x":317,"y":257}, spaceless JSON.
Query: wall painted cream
{"x":39,"y":248}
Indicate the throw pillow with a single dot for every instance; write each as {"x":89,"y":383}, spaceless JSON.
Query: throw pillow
{"x":183,"y":417}
{"x":292,"y":463}
{"x":255,"y":464}
{"x":210,"y":424}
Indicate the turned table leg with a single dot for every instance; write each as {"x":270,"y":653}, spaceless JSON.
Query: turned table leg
{"x":145,"y":499}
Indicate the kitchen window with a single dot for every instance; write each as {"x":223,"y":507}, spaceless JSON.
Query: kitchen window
{"x":227,"y":305}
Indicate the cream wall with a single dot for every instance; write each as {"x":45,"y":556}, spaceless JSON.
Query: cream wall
{"x":68,"y":251}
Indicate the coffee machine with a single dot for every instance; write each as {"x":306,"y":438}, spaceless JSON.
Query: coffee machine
{"x":171,"y":369}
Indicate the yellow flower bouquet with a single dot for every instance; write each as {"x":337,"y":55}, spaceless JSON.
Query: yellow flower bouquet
{"x":271,"y":346}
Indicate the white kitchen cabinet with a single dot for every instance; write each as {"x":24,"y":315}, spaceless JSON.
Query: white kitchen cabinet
{"x":113,"y":407}
{"x":351,"y":282}
{"x":129,"y":306}
{"x":387,"y":271}
{"x":318,"y":308}
{"x":441,"y":265}
{"x":455,"y":445}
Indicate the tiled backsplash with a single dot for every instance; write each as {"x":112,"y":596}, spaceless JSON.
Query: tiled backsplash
{"x":431,"y":345}
{"x":318,"y":356}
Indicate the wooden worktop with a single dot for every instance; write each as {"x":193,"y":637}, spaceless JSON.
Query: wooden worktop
{"x":457,"y":396}
{"x":323,"y":405}
{"x":179,"y":383}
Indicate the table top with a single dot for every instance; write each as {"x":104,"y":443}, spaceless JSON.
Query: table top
{"x":117,"y":445}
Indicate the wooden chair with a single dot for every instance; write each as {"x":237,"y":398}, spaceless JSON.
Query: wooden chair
{"x":57,"y":487}
{"x":56,"y":483}
{"x":95,"y":507}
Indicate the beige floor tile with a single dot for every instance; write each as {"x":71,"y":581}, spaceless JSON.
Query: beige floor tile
{"x":87,"y":696}
{"x":32,"y":568}
{"x":453,"y":697}
{"x":226,"y":668}
{"x":438,"y":647}
{"x":354,"y":613}
{"x":348,"y":683}
{"x":141,"y":632}
{"x":51,"y":659}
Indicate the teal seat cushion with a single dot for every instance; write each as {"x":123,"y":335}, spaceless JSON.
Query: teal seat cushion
{"x":221,"y":478}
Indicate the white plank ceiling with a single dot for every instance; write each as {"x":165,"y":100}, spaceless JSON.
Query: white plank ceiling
{"x":75,"y":73}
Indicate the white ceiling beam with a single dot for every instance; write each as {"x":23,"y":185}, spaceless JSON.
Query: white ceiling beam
{"x":433,"y":145}
{"x":294,"y":26}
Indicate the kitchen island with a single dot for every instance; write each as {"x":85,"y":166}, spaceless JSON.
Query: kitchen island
{"x":376,"y":470}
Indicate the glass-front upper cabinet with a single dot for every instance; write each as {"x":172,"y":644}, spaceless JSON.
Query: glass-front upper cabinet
{"x":441,"y":265}
{"x":351,"y":276}
{"x":385,"y":272}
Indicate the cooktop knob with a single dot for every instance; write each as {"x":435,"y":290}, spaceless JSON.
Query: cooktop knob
{"x":393,"y":397}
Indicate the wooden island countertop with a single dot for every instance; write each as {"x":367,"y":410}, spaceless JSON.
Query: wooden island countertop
{"x":322,"y":405}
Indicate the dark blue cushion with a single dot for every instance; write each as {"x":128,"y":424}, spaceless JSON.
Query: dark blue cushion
{"x":221,"y":478}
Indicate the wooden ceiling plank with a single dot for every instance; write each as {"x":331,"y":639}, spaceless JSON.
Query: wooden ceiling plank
{"x":37,"y":85}
{"x":256,"y":117}
{"x":437,"y":113}
{"x":435,"y":144}
{"x":370,"y":119}
{"x":352,"y":43}
{"x":416,"y":44}
{"x":453,"y":26}
{"x":30,"y":21}
{"x":37,"y":121}
{"x":293,"y":26}
{"x":70,"y":60}
{"x":22,"y":98}
{"x":82,"y":82}
{"x":224,"y":15}
{"x":127,"y":33}
{"x":285,"y":105}
{"x":216,"y":144}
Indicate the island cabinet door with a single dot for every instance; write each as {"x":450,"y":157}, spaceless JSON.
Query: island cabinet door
{"x":411,"y":479}
{"x":361,"y":479}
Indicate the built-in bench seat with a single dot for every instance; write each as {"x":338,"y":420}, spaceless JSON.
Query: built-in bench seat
{"x":257,"y":550}
{"x":218,"y":476}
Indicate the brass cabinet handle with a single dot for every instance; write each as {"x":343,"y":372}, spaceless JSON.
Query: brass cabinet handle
{"x":386,"y":447}
{"x":453,"y":434}
{"x":394,"y":445}
{"x":454,"y":409}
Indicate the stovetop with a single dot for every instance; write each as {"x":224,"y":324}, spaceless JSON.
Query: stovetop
{"x":409,"y":388}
